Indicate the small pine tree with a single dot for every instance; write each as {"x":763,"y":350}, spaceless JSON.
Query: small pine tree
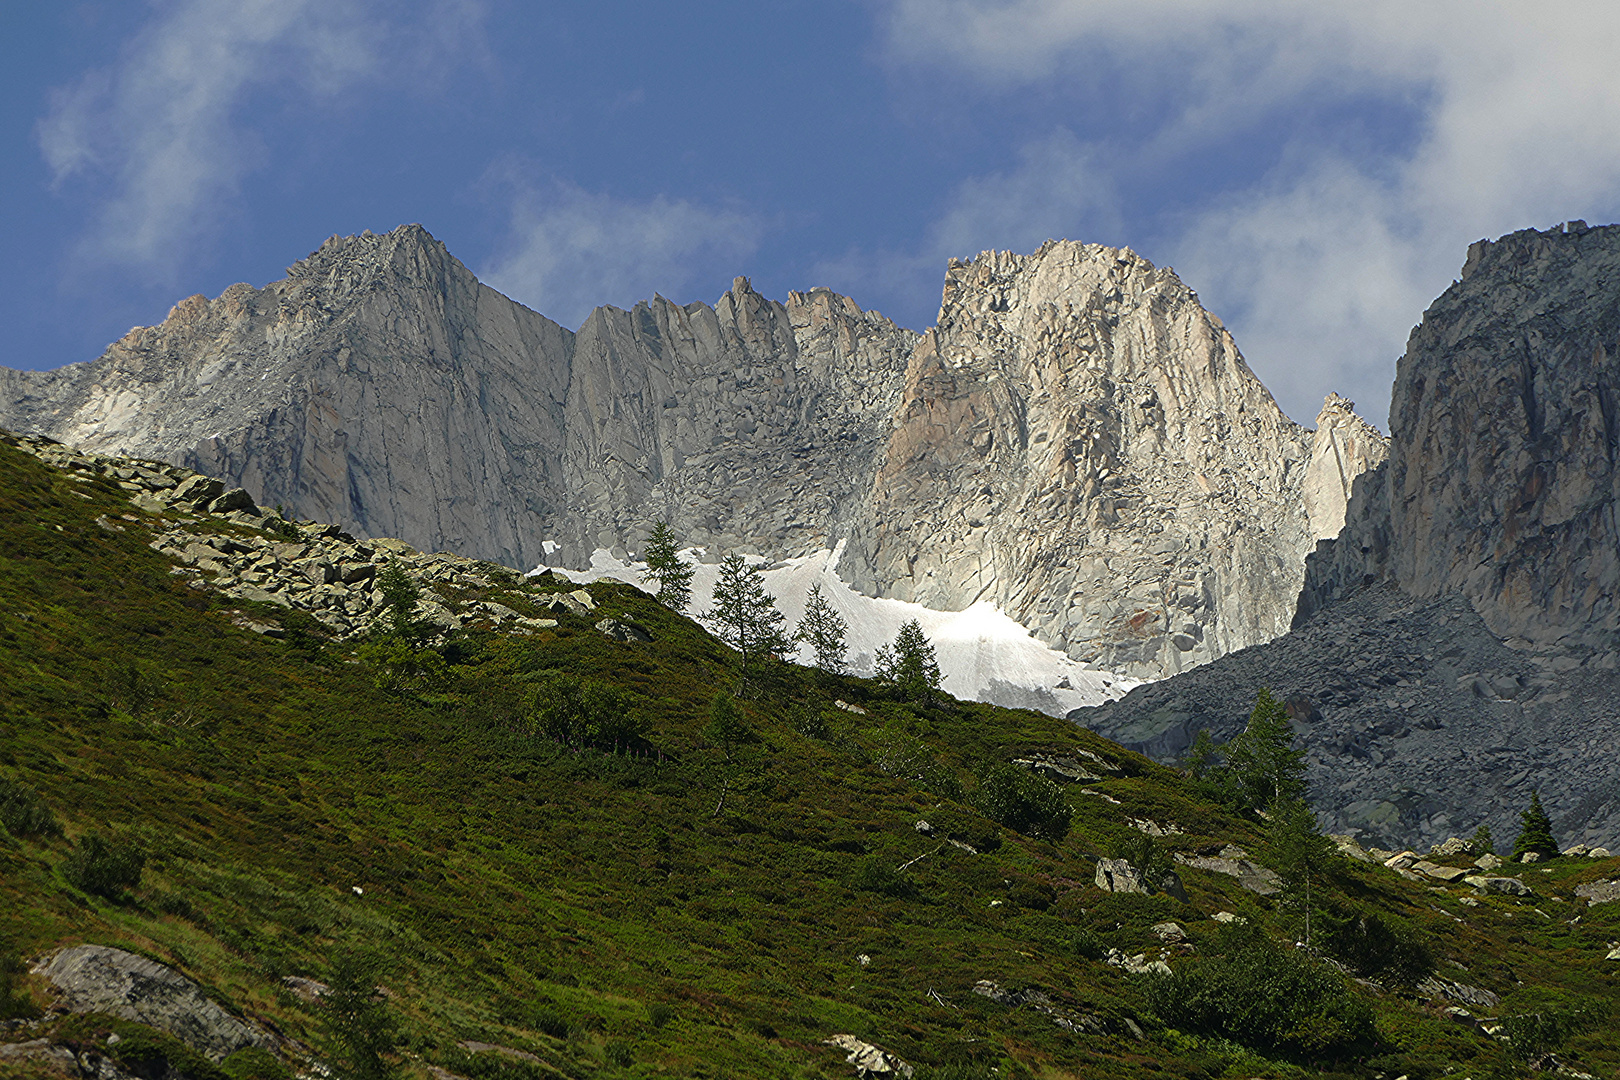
{"x":1263,"y":768}
{"x":1300,"y":853}
{"x":399,"y":596}
{"x":909,"y":665}
{"x":1535,"y":832}
{"x":744,"y":615}
{"x":1482,"y":843}
{"x":665,"y":566}
{"x":823,"y":630}
{"x":1202,"y":756}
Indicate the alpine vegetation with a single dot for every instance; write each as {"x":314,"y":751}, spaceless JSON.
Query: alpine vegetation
{"x":665,"y":566}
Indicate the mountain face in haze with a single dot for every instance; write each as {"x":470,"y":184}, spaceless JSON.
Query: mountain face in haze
{"x":1078,"y":440}
{"x":1456,"y":644}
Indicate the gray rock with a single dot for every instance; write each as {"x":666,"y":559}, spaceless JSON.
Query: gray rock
{"x":619,"y":630}
{"x":1599,"y":892}
{"x":1499,"y":886}
{"x":95,"y":978}
{"x":1078,"y":440}
{"x":869,"y":1060}
{"x":1234,"y":862}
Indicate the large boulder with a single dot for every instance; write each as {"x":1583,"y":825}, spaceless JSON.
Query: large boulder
{"x":96,"y":978}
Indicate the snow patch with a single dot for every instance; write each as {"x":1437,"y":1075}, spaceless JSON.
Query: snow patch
{"x":984,"y":655}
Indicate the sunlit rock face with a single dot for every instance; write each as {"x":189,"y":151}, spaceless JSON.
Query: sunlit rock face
{"x":1081,"y":442}
{"x":1078,"y":441}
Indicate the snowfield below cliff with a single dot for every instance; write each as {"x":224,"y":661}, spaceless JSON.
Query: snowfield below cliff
{"x":984,"y":655}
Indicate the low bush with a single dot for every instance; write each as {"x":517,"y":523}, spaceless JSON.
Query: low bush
{"x":254,"y":1063}
{"x":23,"y":813}
{"x":1376,"y":946}
{"x":1023,"y":801}
{"x":878,"y":874}
{"x":104,"y":867}
{"x":13,"y":1006}
{"x":1263,"y":996}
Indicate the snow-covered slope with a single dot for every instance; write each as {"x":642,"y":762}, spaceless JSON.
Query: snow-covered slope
{"x":983,"y":654}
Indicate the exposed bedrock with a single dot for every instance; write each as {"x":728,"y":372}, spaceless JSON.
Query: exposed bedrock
{"x":1078,"y":440}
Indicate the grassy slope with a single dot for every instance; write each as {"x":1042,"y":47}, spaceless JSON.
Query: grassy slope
{"x":506,"y":875}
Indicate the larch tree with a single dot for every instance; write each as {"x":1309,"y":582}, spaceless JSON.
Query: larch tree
{"x":744,"y":615}
{"x":909,"y":664}
{"x":1262,"y":767}
{"x":823,"y":630}
{"x":665,"y":566}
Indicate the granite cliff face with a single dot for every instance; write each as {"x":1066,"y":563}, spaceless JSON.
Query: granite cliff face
{"x":1077,"y":440}
{"x":1502,"y":480}
{"x":1455,"y":644}
{"x":1081,"y":442}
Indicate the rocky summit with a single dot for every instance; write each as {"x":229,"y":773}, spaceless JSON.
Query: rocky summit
{"x":1078,"y":440}
{"x":1455,"y":645}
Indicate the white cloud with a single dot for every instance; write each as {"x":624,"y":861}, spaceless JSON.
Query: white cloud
{"x":1323,"y":266}
{"x":1055,"y":191}
{"x":157,"y":138}
{"x":567,"y":251}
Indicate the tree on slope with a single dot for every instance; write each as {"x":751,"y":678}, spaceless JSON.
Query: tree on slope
{"x":1301,"y":854}
{"x":908,"y":664}
{"x":665,"y":566}
{"x":744,"y":615}
{"x":1262,"y":767}
{"x":1535,"y":832}
{"x":823,"y":630}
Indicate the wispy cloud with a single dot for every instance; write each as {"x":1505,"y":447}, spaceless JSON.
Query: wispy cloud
{"x":158,"y":140}
{"x":567,"y":250}
{"x":1323,"y":266}
{"x":1055,"y":190}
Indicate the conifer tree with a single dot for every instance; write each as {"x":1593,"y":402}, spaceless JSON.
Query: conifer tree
{"x":399,"y":596}
{"x":665,"y":566}
{"x":823,"y":630}
{"x":744,"y":615}
{"x":1300,"y":853}
{"x":908,"y":664}
{"x":1535,"y":832}
{"x":1262,"y":766}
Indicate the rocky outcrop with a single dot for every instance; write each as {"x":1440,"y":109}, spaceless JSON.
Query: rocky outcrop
{"x":1344,"y":447}
{"x":95,"y":978}
{"x":1502,"y":481}
{"x":317,"y":568}
{"x":1081,"y":442}
{"x":1418,"y":723}
{"x":1078,"y":440}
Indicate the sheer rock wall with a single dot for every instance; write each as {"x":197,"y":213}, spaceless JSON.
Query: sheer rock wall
{"x":1077,"y":440}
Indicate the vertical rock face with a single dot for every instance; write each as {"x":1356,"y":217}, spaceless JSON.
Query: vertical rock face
{"x":1078,"y":440}
{"x":1502,"y":482}
{"x":1345,"y":446}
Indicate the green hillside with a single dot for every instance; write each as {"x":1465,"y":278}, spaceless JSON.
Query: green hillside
{"x":671,"y":902}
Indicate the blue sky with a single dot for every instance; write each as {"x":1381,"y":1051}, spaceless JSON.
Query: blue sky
{"x":1314,"y":171}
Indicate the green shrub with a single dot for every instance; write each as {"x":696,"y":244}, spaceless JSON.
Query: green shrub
{"x":1088,"y":944}
{"x":254,"y":1063}
{"x":1262,"y":996}
{"x":548,"y":1021}
{"x":23,"y":813}
{"x":104,"y":867}
{"x":878,"y":874}
{"x":145,"y":1052}
{"x":1023,"y":801}
{"x":618,"y":1054}
{"x":1378,"y":947}
{"x":659,"y":1014}
{"x":585,"y":712}
{"x":360,"y":1029}
{"x":1147,"y":857}
{"x":1535,"y":1033}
